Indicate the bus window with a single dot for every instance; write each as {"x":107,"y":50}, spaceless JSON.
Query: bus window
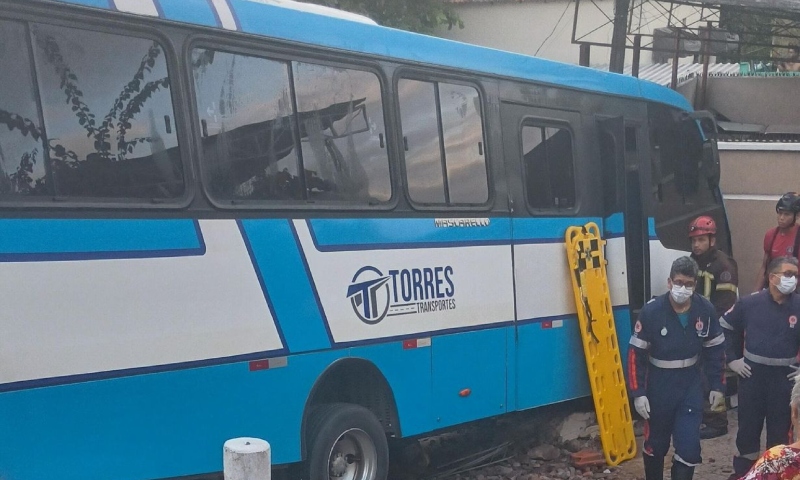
{"x":341,"y":125}
{"x":421,"y":141}
{"x":247,"y":127}
{"x":255,"y":144}
{"x":22,"y":165}
{"x":463,"y":144}
{"x":549,"y":167}
{"x":681,"y":191}
{"x":108,"y":115}
{"x":443,"y":142}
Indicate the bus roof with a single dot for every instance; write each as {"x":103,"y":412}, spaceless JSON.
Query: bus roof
{"x":281,"y":19}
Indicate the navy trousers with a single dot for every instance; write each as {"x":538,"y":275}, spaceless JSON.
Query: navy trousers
{"x":765,"y":395}
{"x":676,"y":411}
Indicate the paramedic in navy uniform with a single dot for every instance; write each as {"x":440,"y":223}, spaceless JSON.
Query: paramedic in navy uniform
{"x":763,"y":340}
{"x":664,"y":374}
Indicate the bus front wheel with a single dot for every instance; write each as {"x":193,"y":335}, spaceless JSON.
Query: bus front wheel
{"x":347,"y":443}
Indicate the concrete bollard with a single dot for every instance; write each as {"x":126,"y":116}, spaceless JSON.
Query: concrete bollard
{"x":247,"y":459}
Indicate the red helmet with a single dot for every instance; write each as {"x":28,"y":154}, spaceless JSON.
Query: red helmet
{"x":702,"y":226}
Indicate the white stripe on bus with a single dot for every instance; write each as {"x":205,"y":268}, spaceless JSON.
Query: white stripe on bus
{"x":140,"y":7}
{"x":225,"y":14}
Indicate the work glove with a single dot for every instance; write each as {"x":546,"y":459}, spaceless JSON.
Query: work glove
{"x":642,"y":405}
{"x":717,"y":401}
{"x":740,"y":368}
{"x":794,"y":373}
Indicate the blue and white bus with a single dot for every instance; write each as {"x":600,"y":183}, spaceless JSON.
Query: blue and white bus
{"x":226,"y":218}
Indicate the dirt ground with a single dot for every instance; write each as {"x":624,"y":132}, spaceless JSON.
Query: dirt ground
{"x":520,"y":459}
{"x":717,"y":457}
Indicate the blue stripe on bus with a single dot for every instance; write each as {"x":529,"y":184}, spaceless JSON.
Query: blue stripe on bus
{"x":412,"y":393}
{"x":198,"y":12}
{"x":193,"y":412}
{"x":469,"y":360}
{"x":547,"y":230}
{"x":539,"y":346}
{"x":92,"y":3}
{"x":377,"y":234}
{"x":31,"y":240}
{"x":614,"y":225}
{"x":286,"y":280}
{"x":427,"y":333}
{"x":387,"y":233}
{"x":551,"y":357}
{"x":656,"y":92}
{"x":259,"y":19}
{"x":651,"y":228}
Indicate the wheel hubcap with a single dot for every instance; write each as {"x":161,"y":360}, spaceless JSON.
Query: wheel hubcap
{"x":353,"y":457}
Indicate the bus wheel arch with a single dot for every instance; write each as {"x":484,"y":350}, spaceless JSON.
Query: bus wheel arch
{"x":352,"y":381}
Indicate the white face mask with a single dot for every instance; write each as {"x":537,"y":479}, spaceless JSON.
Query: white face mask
{"x":681,"y":294}
{"x":787,"y":285}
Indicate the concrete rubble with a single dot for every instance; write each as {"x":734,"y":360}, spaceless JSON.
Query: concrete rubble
{"x":538,"y":445}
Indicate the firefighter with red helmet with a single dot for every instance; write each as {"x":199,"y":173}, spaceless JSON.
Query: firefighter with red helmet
{"x":717,"y":281}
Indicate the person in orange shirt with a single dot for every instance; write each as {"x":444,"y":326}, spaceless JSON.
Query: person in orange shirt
{"x":783,"y":240}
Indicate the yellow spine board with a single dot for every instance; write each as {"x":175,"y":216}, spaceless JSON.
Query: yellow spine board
{"x":598,"y":334}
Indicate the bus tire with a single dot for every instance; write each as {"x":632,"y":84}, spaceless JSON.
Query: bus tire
{"x":347,"y":442}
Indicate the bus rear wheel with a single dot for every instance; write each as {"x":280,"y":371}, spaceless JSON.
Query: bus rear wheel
{"x":347,"y":443}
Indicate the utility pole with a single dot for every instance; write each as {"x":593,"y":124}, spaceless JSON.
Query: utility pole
{"x":618,"y":37}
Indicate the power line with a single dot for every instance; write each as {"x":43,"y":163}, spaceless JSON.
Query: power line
{"x":569,"y":2}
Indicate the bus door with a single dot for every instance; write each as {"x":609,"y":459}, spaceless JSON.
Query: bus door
{"x":544,"y":152}
{"x":625,"y":225}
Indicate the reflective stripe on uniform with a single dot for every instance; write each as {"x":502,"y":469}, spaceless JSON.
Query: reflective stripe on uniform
{"x":715,"y":341}
{"x":727,"y":287}
{"x":750,"y":456}
{"x":687,"y":362}
{"x":724,"y":324}
{"x":639,"y":343}
{"x":678,"y":458}
{"x":772,"y":362}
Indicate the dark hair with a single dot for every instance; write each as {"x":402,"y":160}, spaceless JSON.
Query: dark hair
{"x":776,"y":263}
{"x":684,"y":266}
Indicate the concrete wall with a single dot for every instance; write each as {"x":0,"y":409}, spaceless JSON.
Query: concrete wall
{"x":524,"y":28}
{"x":754,"y":176}
{"x":761,"y":100}
{"x":545,"y":26}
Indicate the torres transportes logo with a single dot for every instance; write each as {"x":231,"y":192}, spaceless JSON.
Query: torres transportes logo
{"x":374,"y":296}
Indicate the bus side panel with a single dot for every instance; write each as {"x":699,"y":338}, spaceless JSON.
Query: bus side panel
{"x":550,"y":357}
{"x":550,"y":364}
{"x":408,"y":373}
{"x":174,"y":423}
{"x":469,"y":376}
{"x":555,"y":369}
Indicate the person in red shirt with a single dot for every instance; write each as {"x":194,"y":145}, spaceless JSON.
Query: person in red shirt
{"x":782,"y":240}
